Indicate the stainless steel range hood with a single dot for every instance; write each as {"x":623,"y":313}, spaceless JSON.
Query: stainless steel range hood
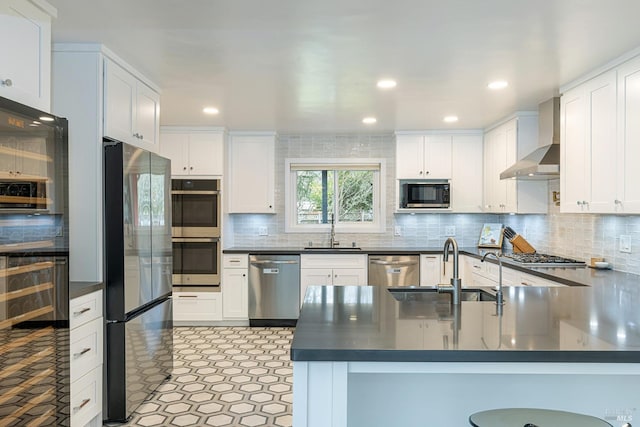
{"x":544,"y":162}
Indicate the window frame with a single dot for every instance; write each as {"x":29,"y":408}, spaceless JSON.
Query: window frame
{"x":379,"y":196}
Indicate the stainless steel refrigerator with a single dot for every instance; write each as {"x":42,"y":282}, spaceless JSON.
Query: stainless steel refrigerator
{"x":138,"y":268}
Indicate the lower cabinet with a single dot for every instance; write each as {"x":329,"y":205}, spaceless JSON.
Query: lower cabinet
{"x":235,"y":287}
{"x":196,"y":306}
{"x":332,"y":269}
{"x":86,"y":353}
{"x":477,"y":273}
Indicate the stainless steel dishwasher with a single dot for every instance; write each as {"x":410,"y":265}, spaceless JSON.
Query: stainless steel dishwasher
{"x":274,"y":290}
{"x":394,"y":270}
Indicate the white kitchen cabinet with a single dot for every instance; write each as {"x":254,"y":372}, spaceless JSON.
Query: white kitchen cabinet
{"x":504,"y":144}
{"x":423,"y":156}
{"x":86,"y":356}
{"x":132,"y":108}
{"x":235,"y":287}
{"x":332,"y":269}
{"x":193,"y":308}
{"x":588,"y":159}
{"x":193,"y":152}
{"x":25,"y":63}
{"x":430,"y":270}
{"x":531,"y":280}
{"x":78,"y":81}
{"x":628,"y":147}
{"x":466,"y":173}
{"x":251,"y":173}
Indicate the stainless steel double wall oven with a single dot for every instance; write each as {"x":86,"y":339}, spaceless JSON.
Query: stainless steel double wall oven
{"x":196,"y":232}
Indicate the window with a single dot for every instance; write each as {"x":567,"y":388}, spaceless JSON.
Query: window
{"x":347,"y":192}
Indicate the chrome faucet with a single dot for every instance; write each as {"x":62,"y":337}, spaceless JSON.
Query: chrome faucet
{"x":456,"y":283}
{"x":499,"y":294}
{"x":332,"y":241}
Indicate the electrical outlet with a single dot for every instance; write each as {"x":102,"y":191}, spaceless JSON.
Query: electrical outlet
{"x":398,"y":230}
{"x":450,"y":230}
{"x":625,"y":243}
{"x":263,"y":231}
{"x":59,"y":231}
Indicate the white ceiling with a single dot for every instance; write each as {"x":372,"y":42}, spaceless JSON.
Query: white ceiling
{"x":312,"y":65}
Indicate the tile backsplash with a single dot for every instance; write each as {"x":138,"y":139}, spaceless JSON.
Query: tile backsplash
{"x":572,"y":235}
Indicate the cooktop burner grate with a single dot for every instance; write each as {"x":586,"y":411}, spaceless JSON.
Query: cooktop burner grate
{"x":544,"y":260}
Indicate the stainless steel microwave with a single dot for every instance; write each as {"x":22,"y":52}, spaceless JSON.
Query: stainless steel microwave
{"x":424,"y":194}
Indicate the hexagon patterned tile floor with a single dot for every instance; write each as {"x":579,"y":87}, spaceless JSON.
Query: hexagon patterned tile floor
{"x":224,"y":376}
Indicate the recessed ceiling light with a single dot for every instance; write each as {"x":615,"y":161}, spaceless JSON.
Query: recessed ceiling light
{"x":498,"y":84}
{"x":46,"y":118}
{"x":210,"y":110}
{"x":450,"y":119}
{"x":369,"y":120}
{"x":386,"y":84}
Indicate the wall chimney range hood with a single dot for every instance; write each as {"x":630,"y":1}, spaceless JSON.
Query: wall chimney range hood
{"x":544,"y":162}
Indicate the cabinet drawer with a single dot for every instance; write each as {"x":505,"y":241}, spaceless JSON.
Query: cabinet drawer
{"x":86,"y":348}
{"x":86,"y":397}
{"x":334,"y":261}
{"x":85,"y":308}
{"x":194,"y":306}
{"x":235,"y":261}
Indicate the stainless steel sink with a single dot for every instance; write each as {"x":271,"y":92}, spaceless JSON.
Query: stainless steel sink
{"x":432,"y":295}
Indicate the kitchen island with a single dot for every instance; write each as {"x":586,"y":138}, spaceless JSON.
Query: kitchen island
{"x":363,"y":356}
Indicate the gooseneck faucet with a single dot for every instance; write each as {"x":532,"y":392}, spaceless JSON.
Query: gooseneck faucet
{"x":499,"y":295}
{"x":456,"y":282}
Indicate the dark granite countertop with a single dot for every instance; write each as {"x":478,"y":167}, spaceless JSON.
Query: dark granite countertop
{"x":573,"y":324}
{"x":78,"y":289}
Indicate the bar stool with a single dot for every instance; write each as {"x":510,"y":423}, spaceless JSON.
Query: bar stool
{"x":531,"y":417}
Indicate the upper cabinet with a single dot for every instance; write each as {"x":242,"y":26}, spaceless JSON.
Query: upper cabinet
{"x":193,"y":152}
{"x":25,"y":62}
{"x":601,"y":143}
{"x":132,"y":108}
{"x":423,"y":156}
{"x":251,"y":173}
{"x":503,"y":146}
{"x":628,"y":147}
{"x":466,"y":173}
{"x":588,"y":154}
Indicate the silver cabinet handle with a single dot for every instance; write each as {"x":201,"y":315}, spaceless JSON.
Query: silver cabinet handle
{"x":184,"y":169}
{"x":193,"y":239}
{"x":84,"y":403}
{"x":426,"y":173}
{"x":525,"y":284}
{"x":617,"y":202}
{"x":6,"y":82}
{"x":187,"y":296}
{"x":81,"y":311}
{"x":84,"y":351}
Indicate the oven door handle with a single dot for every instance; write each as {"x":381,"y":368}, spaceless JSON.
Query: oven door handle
{"x":194,"y":239}
{"x":203,"y":192}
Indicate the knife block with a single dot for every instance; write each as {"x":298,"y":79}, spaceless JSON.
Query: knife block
{"x":521,"y":246}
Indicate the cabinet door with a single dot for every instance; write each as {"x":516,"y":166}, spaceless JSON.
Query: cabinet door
{"x":175,"y":146}
{"x":409,"y":156}
{"x":235,"y":293}
{"x":602,"y":131}
{"x":628,"y":172}
{"x":573,"y":151}
{"x":495,"y":162}
{"x":430,"y":270}
{"x":119,"y":98}
{"x":314,"y":277}
{"x":25,"y":62}
{"x":205,"y":153}
{"x":437,"y":157}
{"x":251,"y":177}
{"x":147,"y":110}
{"x":509,"y":187}
{"x":349,"y":276}
{"x":466,"y":173}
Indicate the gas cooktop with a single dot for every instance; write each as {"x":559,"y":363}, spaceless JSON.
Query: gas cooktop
{"x":544,"y":260}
